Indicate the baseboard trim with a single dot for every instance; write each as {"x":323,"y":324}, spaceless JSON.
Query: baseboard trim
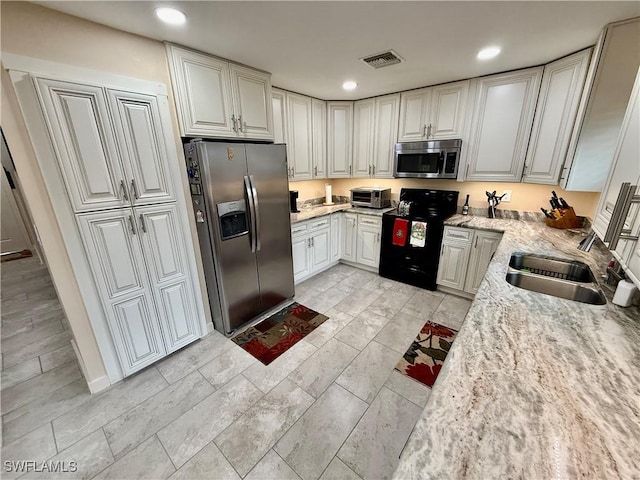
{"x":96,"y":385}
{"x":458,"y":293}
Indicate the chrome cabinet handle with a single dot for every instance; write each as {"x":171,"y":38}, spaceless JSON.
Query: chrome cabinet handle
{"x":142,"y":225}
{"x":350,"y":168}
{"x":429,"y":131}
{"x":369,"y":170}
{"x":313,"y":242}
{"x":125,"y":194}
{"x":133,"y":227}
{"x":235,"y":124}
{"x":378,"y":236}
{"x":308,"y":243}
{"x":373,"y":167}
{"x":615,"y":230}
{"x":135,"y":189}
{"x":424,"y":130}
{"x":315,"y":171}
{"x":240,"y":123}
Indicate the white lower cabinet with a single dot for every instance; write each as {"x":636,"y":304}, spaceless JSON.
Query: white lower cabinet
{"x":368,"y":244}
{"x":464,"y":257}
{"x":139,"y":263}
{"x":336,"y":233}
{"x":311,"y":247}
{"x":349,"y":237}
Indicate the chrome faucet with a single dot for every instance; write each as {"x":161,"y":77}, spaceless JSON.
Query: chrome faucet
{"x":587,"y":242}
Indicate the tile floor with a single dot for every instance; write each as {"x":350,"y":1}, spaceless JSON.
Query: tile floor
{"x":331,"y":407}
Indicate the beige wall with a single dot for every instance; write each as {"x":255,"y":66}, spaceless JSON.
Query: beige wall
{"x":525,"y":197}
{"x":38,"y":32}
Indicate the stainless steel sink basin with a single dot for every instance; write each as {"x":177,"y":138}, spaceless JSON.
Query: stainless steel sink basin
{"x":558,"y":277}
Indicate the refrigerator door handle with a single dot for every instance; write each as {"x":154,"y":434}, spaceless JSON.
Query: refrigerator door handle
{"x":256,"y":208}
{"x":252,"y":217}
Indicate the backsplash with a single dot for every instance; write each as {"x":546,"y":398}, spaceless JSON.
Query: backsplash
{"x":313,"y":202}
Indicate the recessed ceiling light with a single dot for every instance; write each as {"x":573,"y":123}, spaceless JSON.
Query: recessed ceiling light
{"x":350,"y":85}
{"x":171,"y":15}
{"x":489,"y":52}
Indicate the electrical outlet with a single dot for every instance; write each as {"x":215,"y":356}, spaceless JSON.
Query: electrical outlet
{"x":507,"y":196}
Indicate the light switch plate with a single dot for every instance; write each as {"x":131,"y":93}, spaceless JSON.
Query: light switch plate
{"x":507,"y":197}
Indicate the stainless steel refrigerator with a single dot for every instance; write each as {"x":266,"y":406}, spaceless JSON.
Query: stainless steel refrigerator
{"x":240,"y":197}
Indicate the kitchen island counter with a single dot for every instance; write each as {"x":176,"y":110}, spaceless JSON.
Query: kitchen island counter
{"x":534,"y":386}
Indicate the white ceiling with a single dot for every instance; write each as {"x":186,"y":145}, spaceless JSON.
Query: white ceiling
{"x":312,"y":47}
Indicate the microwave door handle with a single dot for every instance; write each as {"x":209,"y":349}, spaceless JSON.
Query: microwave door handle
{"x":441,"y":162}
{"x":256,"y":211}
{"x":252,"y":230}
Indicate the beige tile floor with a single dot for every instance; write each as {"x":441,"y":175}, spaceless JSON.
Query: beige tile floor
{"x":331,"y":407}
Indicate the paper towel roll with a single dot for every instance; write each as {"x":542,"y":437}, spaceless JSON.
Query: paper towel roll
{"x":327,"y":190}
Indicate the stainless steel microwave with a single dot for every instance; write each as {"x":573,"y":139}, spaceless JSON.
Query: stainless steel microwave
{"x":372,"y":197}
{"x":431,"y":159}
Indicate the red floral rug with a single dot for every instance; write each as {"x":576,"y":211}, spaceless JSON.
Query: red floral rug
{"x":275,"y":335}
{"x":425,"y":356}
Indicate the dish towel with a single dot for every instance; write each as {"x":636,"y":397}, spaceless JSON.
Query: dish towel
{"x":400,"y":227}
{"x":418,"y":234}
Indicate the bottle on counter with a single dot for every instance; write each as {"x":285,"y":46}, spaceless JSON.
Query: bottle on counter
{"x":465,"y":207}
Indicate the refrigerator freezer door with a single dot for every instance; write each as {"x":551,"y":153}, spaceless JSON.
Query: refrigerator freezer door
{"x":268,"y":173}
{"x":223,"y":168}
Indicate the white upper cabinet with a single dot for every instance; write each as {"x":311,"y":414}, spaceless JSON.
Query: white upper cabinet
{"x":339,"y":135}
{"x":78,"y":120}
{"x":448,"y":105}
{"x":602,"y":107}
{"x":385,"y":135}
{"x":217,"y":99}
{"x":252,"y":102}
{"x":626,"y":168}
{"x":299,"y":136}
{"x":363,"y":124}
{"x":279,"y":105}
{"x":319,"y":137}
{"x":560,"y":93}
{"x":433,"y":113}
{"x":414,"y":115}
{"x":501,"y":125}
{"x":144,"y":151}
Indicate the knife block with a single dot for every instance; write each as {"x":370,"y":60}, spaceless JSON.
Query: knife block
{"x":568,"y":219}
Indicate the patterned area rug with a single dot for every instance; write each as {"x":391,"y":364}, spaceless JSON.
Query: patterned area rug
{"x":16,"y":255}
{"x":275,"y":335}
{"x":425,"y":356}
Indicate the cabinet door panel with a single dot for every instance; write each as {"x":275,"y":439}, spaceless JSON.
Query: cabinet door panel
{"x":349,"y":243}
{"x":299,"y":137}
{"x":136,"y":336}
{"x":368,"y":249}
{"x":556,"y":111}
{"x":447,"y":111}
{"x":319,"y":138}
{"x":300,"y":251}
{"x":502,"y":121}
{"x":113,"y":251}
{"x":80,"y":128}
{"x":414,"y":111}
{"x":339,"y":132}
{"x":163,"y":242}
{"x":363,"y":124}
{"x":252,"y":92}
{"x":336,"y":235}
{"x":386,"y":128}
{"x":454,"y":258}
{"x":485,"y":245}
{"x":203,"y":92}
{"x":144,"y":149}
{"x":180,"y":315}
{"x":279,"y":105}
{"x":321,"y":253}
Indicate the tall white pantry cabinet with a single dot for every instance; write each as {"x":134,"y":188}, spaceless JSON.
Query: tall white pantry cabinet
{"x":114,"y":157}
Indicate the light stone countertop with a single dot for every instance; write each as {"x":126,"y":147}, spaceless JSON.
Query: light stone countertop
{"x":535,"y":386}
{"x":322,"y":210}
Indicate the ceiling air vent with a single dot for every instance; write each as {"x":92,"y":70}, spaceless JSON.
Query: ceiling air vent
{"x":384,"y":59}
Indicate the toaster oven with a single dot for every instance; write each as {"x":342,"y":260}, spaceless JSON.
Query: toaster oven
{"x":372,"y":197}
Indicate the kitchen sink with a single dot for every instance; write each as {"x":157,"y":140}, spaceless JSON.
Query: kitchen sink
{"x":558,"y":277}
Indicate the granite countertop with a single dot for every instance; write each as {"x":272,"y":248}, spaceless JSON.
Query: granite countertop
{"x":321,"y":210}
{"x":534,"y":386}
